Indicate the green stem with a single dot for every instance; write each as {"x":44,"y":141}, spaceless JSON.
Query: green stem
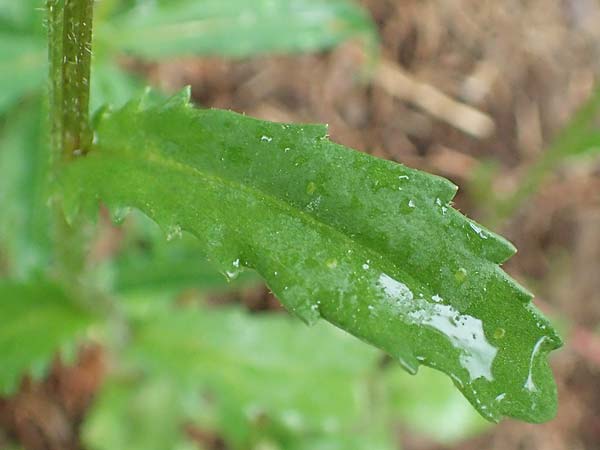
{"x":70,"y":51}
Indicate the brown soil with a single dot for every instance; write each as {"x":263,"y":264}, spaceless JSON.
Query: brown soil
{"x":47,"y":415}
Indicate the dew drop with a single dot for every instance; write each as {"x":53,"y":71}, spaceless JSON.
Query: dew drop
{"x":529,"y":384}
{"x":461,"y":275}
{"x":411,"y":204}
{"x":478,"y":230}
{"x":174,"y":232}
{"x":234,"y":271}
{"x":118,"y":215}
{"x":365,"y":266}
{"x":266,"y":139}
{"x":231,"y":275}
{"x":499,"y":333}
{"x":477,"y":354}
{"x":314,"y":204}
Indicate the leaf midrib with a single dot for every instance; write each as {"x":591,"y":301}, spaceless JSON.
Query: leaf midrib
{"x":288,"y":208}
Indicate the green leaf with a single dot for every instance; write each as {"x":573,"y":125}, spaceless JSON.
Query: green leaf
{"x":258,"y":370}
{"x":22,"y":66}
{"x":341,"y":442}
{"x":132,"y":415}
{"x":112,"y":85}
{"x":171,"y":28}
{"x":236,"y":28}
{"x":372,"y":246}
{"x":149,"y":264}
{"x":170,"y":267}
{"x":430,"y":406}
{"x":25,"y":15}
{"x":24,"y":161}
{"x":36,"y":321}
{"x":203,"y":367}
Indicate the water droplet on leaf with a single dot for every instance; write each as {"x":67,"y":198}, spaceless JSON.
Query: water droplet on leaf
{"x":478,"y":230}
{"x":461,"y":275}
{"x":174,"y":232}
{"x":118,"y":215}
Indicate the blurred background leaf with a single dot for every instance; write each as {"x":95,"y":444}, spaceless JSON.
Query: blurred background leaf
{"x":132,"y":415}
{"x":156,"y":29}
{"x":429,"y":405}
{"x":25,"y":16}
{"x":148,"y":263}
{"x":264,"y":381}
{"x":237,"y":28}
{"x":24,"y":161}
{"x":112,"y":85}
{"x":22,"y":66}
{"x":259,"y":366}
{"x":36,"y":321}
{"x":246,"y":374}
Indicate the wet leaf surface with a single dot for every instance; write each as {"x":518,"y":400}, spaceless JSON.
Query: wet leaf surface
{"x":371,"y":246}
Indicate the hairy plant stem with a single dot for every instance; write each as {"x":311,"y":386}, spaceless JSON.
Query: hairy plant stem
{"x":69,"y":52}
